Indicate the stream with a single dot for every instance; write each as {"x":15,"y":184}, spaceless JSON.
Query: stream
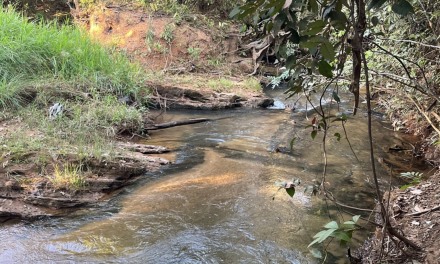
{"x":214,"y":203}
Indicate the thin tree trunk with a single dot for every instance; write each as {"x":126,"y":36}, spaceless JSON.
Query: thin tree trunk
{"x":359,"y":24}
{"x":383,"y":213}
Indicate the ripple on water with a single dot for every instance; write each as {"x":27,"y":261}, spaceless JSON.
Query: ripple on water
{"x":214,"y":204}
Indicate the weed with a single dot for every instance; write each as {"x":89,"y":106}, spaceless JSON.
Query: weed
{"x":149,"y":39}
{"x":167,"y":34}
{"x":252,"y":84}
{"x":70,"y":177}
{"x":415,"y":178}
{"x":223,"y":24}
{"x":215,"y":62}
{"x":220,"y":85}
{"x":12,"y":94}
{"x":194,"y":52}
{"x":160,"y":48}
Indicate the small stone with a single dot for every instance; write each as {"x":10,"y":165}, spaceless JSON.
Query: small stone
{"x":415,"y":223}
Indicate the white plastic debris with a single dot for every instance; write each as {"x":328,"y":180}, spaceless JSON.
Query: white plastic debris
{"x":56,"y":110}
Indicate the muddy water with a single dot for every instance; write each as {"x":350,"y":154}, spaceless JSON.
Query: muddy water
{"x":214,"y":203}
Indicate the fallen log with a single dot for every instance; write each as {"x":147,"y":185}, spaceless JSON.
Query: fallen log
{"x":387,"y":163}
{"x":180,"y":123}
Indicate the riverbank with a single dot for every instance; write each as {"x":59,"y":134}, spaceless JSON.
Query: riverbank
{"x":414,"y":213}
{"x":57,"y":161}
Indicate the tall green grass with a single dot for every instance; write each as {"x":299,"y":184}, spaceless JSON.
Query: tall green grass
{"x":39,"y":51}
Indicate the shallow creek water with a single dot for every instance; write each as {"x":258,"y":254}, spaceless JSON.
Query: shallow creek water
{"x":214,"y":203}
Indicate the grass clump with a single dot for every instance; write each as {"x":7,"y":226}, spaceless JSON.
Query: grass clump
{"x":86,"y":130}
{"x":46,"y":63}
{"x":252,"y":84}
{"x":221,"y":85}
{"x":70,"y":177}
{"x":35,"y":51}
{"x":227,"y":85}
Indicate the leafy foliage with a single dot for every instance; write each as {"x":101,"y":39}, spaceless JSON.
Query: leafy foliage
{"x":288,"y":186}
{"x":406,"y":65}
{"x":344,"y":232}
{"x":415,"y":178}
{"x":315,"y":40}
{"x":319,"y":32}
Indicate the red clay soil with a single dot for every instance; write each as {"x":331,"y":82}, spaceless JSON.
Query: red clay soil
{"x":156,"y":41}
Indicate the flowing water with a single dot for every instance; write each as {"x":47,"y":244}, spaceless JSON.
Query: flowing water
{"x":214,"y":203}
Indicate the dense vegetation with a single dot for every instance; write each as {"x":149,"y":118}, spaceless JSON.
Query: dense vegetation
{"x":45,"y":63}
{"x":390,"y":47}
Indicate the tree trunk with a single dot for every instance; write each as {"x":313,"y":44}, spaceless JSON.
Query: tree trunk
{"x":359,"y":25}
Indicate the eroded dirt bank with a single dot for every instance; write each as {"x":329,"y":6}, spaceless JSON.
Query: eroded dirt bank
{"x":26,"y":191}
{"x":175,"y":97}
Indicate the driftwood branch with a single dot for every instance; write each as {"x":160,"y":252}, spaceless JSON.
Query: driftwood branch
{"x":425,"y":211}
{"x":180,"y":123}
{"x":414,"y":42}
{"x":424,"y":114}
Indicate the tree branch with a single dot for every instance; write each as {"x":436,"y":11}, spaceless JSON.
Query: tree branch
{"x":411,"y":41}
{"x":390,"y":229}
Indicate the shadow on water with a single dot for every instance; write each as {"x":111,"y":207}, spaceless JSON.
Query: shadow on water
{"x":214,"y":203}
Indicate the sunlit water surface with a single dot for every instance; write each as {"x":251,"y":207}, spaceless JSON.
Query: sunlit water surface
{"x":214,"y":203}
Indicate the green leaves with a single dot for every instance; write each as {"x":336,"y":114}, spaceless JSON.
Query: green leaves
{"x":338,"y":136}
{"x":313,"y":134}
{"x":312,"y":42}
{"x":376,"y":4}
{"x":327,"y":51}
{"x":314,"y":27}
{"x":341,"y":235}
{"x":332,"y":224}
{"x":356,"y":218}
{"x":402,"y":7}
{"x":291,"y":191}
{"x":336,"y":97}
{"x":234,"y":12}
{"x":375,"y":20}
{"x":342,"y":118}
{"x":321,"y":236}
{"x":338,"y":20}
{"x":325,"y":69}
{"x":294,"y":38}
{"x":313,"y":5}
{"x":288,"y":186}
{"x":343,"y":232}
{"x":295,"y":89}
{"x":291,"y":143}
{"x":278,"y":23}
{"x":290,"y":62}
